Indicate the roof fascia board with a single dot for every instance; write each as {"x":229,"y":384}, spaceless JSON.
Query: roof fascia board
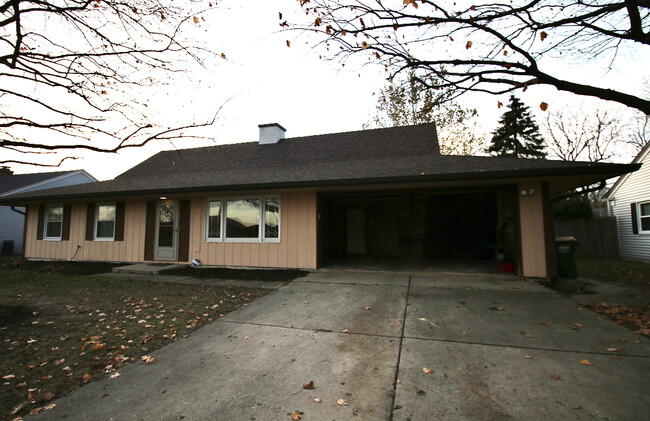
{"x":605,"y":172}
{"x":637,"y":160}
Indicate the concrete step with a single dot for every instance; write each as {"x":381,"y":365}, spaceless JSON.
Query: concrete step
{"x":146,"y":268}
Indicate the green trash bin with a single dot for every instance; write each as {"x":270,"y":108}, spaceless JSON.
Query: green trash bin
{"x":566,"y":257}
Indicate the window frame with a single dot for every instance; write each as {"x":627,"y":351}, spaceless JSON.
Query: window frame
{"x":97,"y":206}
{"x":223,"y":218}
{"x":46,"y":221}
{"x":641,"y":217}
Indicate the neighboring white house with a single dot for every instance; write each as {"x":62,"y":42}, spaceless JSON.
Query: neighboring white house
{"x":12,"y":221}
{"x":629,"y":201}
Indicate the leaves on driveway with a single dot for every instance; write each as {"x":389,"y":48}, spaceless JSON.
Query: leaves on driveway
{"x":309,"y":385}
{"x":342,"y":402}
{"x":585,"y":362}
{"x":427,"y":370}
{"x":297,"y":415}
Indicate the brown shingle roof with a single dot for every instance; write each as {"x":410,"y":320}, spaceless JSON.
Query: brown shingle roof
{"x":402,"y":154}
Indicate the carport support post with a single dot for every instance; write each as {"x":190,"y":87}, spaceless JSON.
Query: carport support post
{"x":533,"y":229}
{"x":549,"y":232}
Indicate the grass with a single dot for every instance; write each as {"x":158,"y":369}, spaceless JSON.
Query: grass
{"x":60,"y":328}
{"x":635,"y":275}
{"x":627,"y":272}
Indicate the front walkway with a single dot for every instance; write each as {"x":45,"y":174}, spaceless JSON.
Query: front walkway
{"x":492,"y":348}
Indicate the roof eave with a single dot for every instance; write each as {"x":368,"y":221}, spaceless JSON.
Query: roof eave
{"x":604,"y":171}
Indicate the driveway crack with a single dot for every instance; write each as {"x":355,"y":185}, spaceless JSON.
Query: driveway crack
{"x":399,"y":352}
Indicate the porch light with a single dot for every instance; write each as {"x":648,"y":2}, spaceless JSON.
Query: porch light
{"x":163,"y":197}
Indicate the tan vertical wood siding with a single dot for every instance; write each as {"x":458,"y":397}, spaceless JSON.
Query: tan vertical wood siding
{"x":129,"y":250}
{"x":296,"y":249}
{"x":533,"y":248}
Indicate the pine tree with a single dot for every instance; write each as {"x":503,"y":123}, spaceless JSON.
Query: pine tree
{"x":518,"y":135}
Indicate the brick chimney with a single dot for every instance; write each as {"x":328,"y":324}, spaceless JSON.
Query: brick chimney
{"x":271,"y":133}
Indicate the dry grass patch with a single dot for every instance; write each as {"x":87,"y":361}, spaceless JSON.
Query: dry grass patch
{"x":60,"y":331}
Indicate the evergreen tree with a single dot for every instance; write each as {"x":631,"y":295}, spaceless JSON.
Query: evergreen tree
{"x":518,"y":135}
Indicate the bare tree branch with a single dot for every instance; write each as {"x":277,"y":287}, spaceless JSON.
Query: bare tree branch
{"x":70,"y":67}
{"x":483,"y":46}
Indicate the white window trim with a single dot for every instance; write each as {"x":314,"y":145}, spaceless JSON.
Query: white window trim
{"x":209,"y":239}
{"x":224,"y":217}
{"x":112,"y":238}
{"x":47,"y":208}
{"x":263,"y":219}
{"x":639,"y":216}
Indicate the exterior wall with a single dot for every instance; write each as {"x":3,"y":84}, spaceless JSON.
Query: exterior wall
{"x":12,"y":223}
{"x":129,"y":250}
{"x":11,"y":227}
{"x":635,"y":188}
{"x":533,"y":244}
{"x":297,"y":247}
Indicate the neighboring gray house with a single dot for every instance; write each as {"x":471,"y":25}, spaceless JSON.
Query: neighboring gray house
{"x":12,"y":221}
{"x":629,"y":201}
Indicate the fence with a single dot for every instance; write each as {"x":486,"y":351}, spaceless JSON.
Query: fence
{"x":597,"y":237}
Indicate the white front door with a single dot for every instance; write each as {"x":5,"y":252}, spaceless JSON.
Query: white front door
{"x":166,"y":231}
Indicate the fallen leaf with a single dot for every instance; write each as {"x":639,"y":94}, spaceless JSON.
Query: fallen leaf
{"x":342,"y":402}
{"x":309,"y":385}
{"x":555,"y":377}
{"x":529,"y":357}
{"x":114,"y":376}
{"x":9,"y":377}
{"x":501,"y":308}
{"x":49,"y":407}
{"x":87,"y":376}
{"x":35,"y":411}
{"x":585,"y":362}
{"x":297,"y":415}
{"x":612,"y":349}
{"x":318,"y":400}
{"x":529,"y":336}
{"x":346,"y":331}
{"x":544,"y":323}
{"x":48,"y":396}
{"x":148,"y":359}
{"x":427,"y":370}
{"x":577,"y":407}
{"x":420,"y":392}
{"x":368,"y":308}
{"x":18,"y":408}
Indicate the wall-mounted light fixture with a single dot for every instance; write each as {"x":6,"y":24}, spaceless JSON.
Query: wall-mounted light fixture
{"x":163,"y":197}
{"x":527,"y":193}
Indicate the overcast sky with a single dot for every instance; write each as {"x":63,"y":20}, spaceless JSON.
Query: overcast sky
{"x":264,"y":81}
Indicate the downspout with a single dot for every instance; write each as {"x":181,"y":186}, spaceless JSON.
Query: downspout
{"x":13,"y":208}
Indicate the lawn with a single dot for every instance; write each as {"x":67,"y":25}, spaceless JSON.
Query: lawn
{"x":61,"y":328}
{"x":636,"y":276}
{"x":627,"y":272}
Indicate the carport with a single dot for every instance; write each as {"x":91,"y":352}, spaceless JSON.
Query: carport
{"x":424,"y":229}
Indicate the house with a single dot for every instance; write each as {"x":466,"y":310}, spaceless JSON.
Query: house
{"x":314,"y":201}
{"x":629,"y":201}
{"x":12,"y":220}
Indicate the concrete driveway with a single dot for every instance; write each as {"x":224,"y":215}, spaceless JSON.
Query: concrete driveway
{"x":494,"y":345}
